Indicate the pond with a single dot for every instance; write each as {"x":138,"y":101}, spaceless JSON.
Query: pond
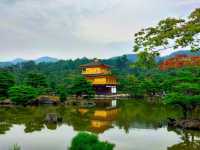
{"x":133,"y":125}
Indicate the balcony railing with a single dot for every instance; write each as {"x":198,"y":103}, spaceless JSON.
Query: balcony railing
{"x":95,"y":72}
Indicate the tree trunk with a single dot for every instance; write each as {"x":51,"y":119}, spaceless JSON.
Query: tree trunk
{"x":185,"y":111}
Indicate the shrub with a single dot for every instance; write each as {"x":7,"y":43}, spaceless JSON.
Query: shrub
{"x":22,"y":94}
{"x":86,"y":141}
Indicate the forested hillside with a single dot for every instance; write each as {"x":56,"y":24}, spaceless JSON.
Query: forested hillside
{"x":56,"y":76}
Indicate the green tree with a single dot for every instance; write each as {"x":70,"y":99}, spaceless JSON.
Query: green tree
{"x":36,"y":80}
{"x":86,"y":141}
{"x":134,"y":87}
{"x":6,"y":81}
{"x":62,"y":93}
{"x":22,"y":94}
{"x":170,"y":33}
{"x":82,"y":87}
{"x":145,"y":60}
{"x":183,"y":89}
{"x":186,"y":95}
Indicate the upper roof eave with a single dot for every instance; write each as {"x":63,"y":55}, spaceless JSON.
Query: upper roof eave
{"x":94,"y":65}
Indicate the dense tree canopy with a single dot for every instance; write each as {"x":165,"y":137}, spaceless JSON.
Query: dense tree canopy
{"x":22,"y":94}
{"x":36,"y":80}
{"x":60,"y":77}
{"x":183,"y":89}
{"x":6,"y":81}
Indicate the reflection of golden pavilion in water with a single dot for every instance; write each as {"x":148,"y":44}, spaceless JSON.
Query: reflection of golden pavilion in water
{"x":103,"y":118}
{"x":83,"y":110}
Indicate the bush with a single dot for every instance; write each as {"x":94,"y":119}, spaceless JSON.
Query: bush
{"x":86,"y":141}
{"x":22,"y":94}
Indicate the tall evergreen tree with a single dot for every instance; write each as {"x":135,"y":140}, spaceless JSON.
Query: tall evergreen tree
{"x":6,"y":81}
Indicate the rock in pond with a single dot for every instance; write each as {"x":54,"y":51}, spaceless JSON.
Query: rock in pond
{"x":53,"y":118}
{"x":6,"y":103}
{"x":192,"y":124}
{"x":45,"y":99}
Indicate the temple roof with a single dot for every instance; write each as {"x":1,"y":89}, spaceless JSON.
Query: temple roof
{"x":95,"y":63}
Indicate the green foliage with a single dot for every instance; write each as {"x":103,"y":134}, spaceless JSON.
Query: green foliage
{"x":22,"y":94}
{"x":170,"y":33}
{"x":120,"y":65}
{"x":63,"y":97}
{"x":134,"y":87}
{"x":146,"y":60}
{"x":183,"y":89}
{"x":50,"y":77}
{"x":82,"y":87}
{"x":62,"y":94}
{"x":6,"y":81}
{"x":148,"y":83}
{"x":36,"y":80}
{"x":86,"y":141}
{"x":176,"y":98}
{"x":64,"y":89}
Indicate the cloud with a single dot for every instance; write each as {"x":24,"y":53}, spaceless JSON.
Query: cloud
{"x":189,"y":2}
{"x":77,"y":28}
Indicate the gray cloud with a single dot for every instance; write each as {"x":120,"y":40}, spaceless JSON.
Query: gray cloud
{"x":77,"y":28}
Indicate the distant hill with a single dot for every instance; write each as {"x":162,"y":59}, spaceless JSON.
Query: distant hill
{"x":133,"y":57}
{"x":17,"y":61}
{"x":45,"y":59}
{"x":5,"y":64}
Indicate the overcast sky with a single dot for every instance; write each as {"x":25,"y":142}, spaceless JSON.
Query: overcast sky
{"x":77,"y":28}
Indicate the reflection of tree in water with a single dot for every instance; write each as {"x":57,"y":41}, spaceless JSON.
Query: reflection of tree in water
{"x":4,"y":127}
{"x":51,"y":126}
{"x":33,"y":126}
{"x":139,"y":114}
{"x":133,"y":114}
{"x":33,"y":118}
{"x":190,"y":140}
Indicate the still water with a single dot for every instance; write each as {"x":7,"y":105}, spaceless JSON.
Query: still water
{"x":133,"y":125}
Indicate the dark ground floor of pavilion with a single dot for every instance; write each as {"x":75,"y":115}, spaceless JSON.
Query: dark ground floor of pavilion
{"x":105,"y":89}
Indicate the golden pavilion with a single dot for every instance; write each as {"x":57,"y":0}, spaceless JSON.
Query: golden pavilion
{"x":100,"y":76}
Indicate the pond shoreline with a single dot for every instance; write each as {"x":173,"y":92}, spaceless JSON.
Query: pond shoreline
{"x":188,"y":124}
{"x":132,"y":119}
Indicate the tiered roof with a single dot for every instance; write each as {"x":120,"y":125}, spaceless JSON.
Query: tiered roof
{"x":95,"y":63}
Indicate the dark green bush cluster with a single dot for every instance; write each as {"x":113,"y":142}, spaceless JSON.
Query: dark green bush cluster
{"x":87,"y":141}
